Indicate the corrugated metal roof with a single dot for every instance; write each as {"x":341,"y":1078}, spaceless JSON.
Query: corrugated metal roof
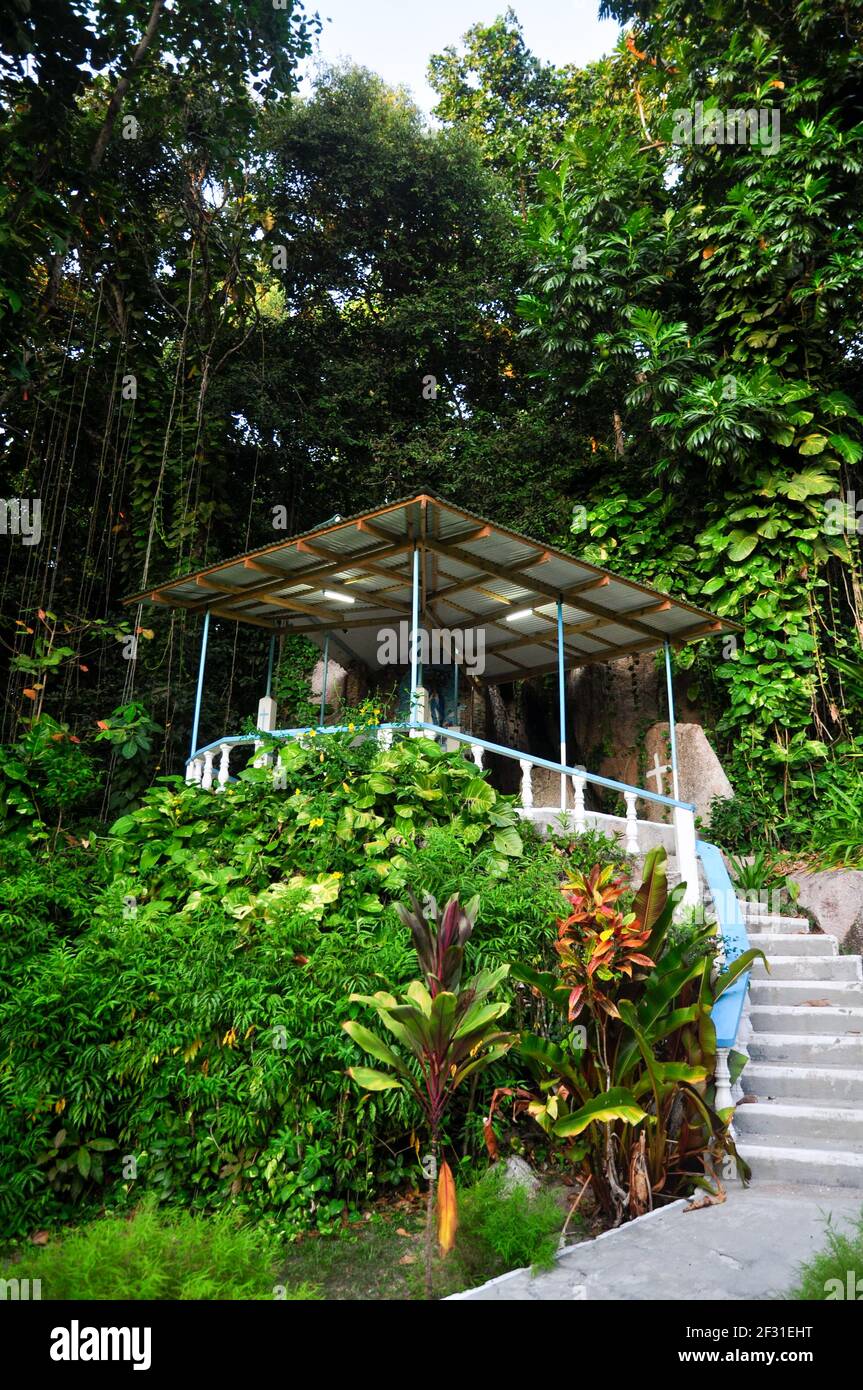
{"x":353,"y":577}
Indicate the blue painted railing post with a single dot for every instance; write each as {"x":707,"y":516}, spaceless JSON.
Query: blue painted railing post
{"x":561,"y":694}
{"x":672,"y":733}
{"x":324,"y":679}
{"x":728,"y":1008}
{"x":414,"y":648}
{"x":196,"y":719}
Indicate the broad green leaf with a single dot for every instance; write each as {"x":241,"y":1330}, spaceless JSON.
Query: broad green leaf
{"x":372,"y":1080}
{"x":373,"y":1045}
{"x":508,"y":842}
{"x":616,"y":1104}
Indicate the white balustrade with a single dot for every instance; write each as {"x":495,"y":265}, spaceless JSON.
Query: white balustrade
{"x":385,"y":738}
{"x":631,"y":823}
{"x":207,"y":775}
{"x":477,"y":754}
{"x":578,"y":786}
{"x":194,"y":770}
{"x":526,"y":782}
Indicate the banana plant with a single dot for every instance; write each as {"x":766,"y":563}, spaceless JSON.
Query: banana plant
{"x":445,"y":1033}
{"x":632,"y":1084}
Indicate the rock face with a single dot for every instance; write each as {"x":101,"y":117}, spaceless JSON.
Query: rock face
{"x":835,"y":899}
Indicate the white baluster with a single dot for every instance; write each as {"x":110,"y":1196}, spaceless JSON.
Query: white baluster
{"x":526,"y":782}
{"x":631,"y":823}
{"x":207,"y":776}
{"x":193,"y":770}
{"x":224,"y":765}
{"x":385,"y":738}
{"x":723,"y":1099}
{"x":578,"y":786}
{"x":477,"y":754}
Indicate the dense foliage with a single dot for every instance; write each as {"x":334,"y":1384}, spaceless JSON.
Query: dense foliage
{"x":173,"y":993}
{"x":229,"y":310}
{"x":229,"y":313}
{"x":629,"y":1091}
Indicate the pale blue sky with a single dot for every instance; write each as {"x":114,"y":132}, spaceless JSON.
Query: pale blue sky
{"x":396,"y":38}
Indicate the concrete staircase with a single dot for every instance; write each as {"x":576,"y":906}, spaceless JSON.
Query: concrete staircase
{"x":801,"y":1117}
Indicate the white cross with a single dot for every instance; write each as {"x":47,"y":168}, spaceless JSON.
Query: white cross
{"x":657,"y":771}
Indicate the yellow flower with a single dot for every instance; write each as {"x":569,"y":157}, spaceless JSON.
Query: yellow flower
{"x":312,"y":733}
{"x":346,"y":787}
{"x":316,"y":821}
{"x":321,"y":758}
{"x":351,"y":728}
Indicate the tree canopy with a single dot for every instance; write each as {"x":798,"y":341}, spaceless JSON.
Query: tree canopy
{"x":222,"y":302}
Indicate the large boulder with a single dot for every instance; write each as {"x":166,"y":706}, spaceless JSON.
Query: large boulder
{"x":701,"y":776}
{"x":835,"y":899}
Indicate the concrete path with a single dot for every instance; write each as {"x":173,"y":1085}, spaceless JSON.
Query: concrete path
{"x":748,"y":1248}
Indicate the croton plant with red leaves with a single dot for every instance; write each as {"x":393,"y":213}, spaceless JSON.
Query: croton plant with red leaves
{"x":597,"y":944}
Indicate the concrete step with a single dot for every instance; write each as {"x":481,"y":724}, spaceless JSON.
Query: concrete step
{"x":846,"y":993}
{"x":811,"y":1049}
{"x":772,"y":1162}
{"x":807,"y":968}
{"x":797,"y":1018}
{"x":794,"y":944}
{"x":801,"y":1122}
{"x":789,"y":1080}
{"x":770,"y":923}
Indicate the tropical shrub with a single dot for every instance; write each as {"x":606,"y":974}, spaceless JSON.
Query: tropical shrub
{"x":447,"y":1033}
{"x":624,"y":1069}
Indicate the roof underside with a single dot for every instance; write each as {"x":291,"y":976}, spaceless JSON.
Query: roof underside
{"x":473,"y":575}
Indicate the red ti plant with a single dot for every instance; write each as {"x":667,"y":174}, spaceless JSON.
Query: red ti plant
{"x":446,"y":1033}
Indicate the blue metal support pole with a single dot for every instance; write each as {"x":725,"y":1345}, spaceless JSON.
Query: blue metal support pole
{"x":455,"y":688}
{"x":671,"y":729}
{"x":196,"y":719}
{"x":324,"y":679}
{"x":414,"y":646}
{"x":561,"y":690}
{"x":270,"y":665}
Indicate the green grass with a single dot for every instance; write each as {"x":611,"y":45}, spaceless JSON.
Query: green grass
{"x":825,"y":1276}
{"x":171,"y":1255}
{"x":158,"y":1256}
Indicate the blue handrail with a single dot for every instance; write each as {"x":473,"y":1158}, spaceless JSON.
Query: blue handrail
{"x":728,"y":1008}
{"x":560,"y":768}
